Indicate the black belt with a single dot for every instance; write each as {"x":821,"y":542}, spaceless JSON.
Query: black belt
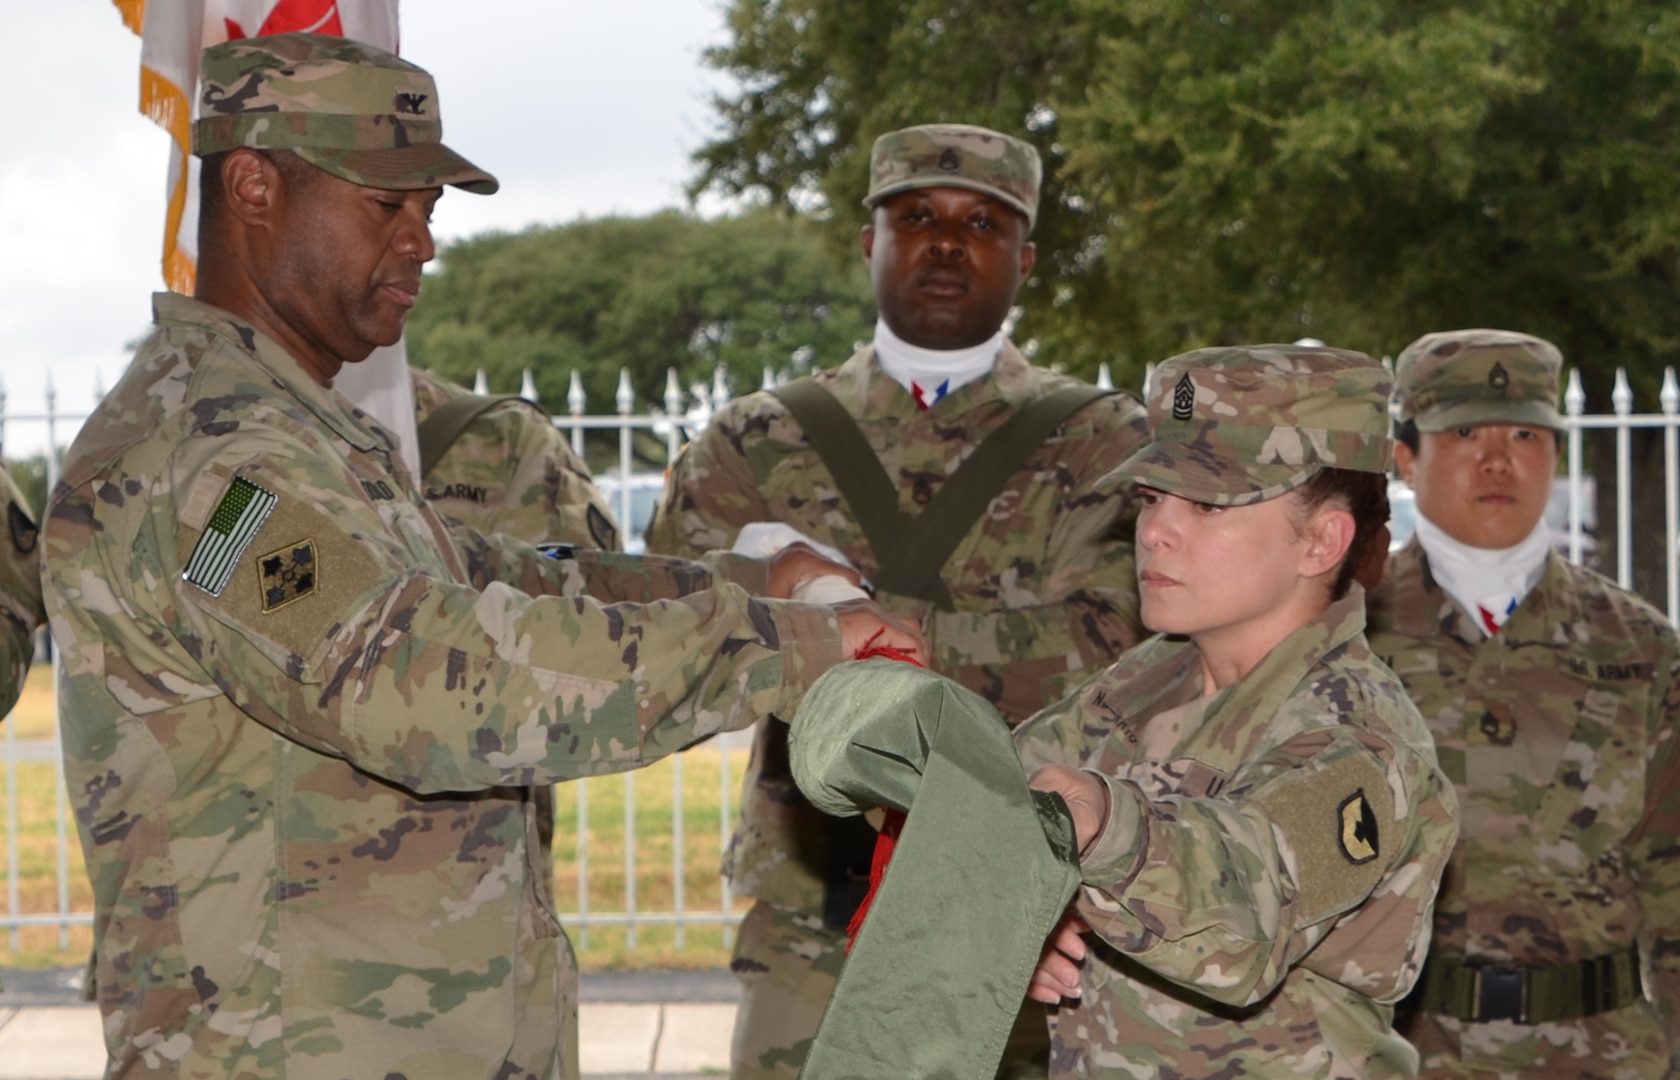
{"x":1477,"y":993}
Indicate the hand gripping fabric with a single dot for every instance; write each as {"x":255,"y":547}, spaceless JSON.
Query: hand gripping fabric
{"x":981,"y":873}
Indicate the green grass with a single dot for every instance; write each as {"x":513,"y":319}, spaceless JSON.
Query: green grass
{"x":599,"y":948}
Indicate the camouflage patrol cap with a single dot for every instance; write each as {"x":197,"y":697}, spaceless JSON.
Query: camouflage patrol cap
{"x":1237,"y":425}
{"x":1462,"y":378}
{"x":347,"y":108}
{"x":960,"y":156}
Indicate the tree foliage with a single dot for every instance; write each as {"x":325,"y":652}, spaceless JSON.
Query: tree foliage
{"x":645,"y":294}
{"x":1247,"y":170}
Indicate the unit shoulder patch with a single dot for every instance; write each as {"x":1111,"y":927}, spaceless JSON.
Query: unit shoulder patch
{"x":288,"y":575}
{"x":1359,"y":834}
{"x":25,"y":535}
{"x":1330,"y":823}
{"x":601,"y":529}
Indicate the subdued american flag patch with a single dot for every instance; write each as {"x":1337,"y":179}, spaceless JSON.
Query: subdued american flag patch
{"x":236,"y":520}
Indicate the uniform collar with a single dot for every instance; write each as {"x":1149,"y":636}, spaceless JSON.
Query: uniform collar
{"x":1263,"y":691}
{"x":1010,"y":383}
{"x":350,"y":423}
{"x":1549,"y":606}
{"x":1421,"y":608}
{"x":1167,"y":671}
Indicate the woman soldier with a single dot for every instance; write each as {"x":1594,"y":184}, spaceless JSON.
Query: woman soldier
{"x":1261,"y":819}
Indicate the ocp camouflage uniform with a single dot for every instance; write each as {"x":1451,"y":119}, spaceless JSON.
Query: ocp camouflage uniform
{"x":1243,"y":926}
{"x":1560,"y":730}
{"x":511,"y":471}
{"x":303,"y":720}
{"x":1042,"y":588}
{"x":1260,"y":891}
{"x":1560,"y":736}
{"x":20,"y":592}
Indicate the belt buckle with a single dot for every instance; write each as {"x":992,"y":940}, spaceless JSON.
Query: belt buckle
{"x":1501,"y":994}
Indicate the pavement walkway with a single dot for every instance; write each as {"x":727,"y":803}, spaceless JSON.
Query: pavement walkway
{"x":674,"y":1025}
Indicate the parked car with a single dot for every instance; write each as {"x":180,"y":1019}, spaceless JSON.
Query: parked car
{"x":1402,"y":517}
{"x":644,"y":489}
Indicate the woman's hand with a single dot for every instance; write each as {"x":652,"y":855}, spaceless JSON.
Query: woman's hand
{"x":1057,"y":974}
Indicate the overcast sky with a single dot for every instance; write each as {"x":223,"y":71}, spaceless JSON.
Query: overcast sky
{"x":581,"y":108}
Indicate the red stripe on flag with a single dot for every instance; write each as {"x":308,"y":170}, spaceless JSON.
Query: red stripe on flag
{"x":304,"y":16}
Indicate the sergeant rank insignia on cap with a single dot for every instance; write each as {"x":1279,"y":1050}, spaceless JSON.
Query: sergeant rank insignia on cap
{"x":1358,"y":835}
{"x":232,"y":526}
{"x":289,"y":574}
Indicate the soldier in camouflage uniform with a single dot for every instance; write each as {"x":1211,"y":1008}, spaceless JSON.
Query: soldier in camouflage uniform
{"x":1554,"y":700}
{"x":303,"y":718}
{"x":1039,"y":587}
{"x":1261,"y":816}
{"x":511,"y":471}
{"x":20,"y":592}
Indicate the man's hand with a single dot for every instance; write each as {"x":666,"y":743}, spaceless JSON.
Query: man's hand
{"x":1085,"y":795}
{"x":797,"y":564}
{"x":864,"y":622}
{"x":1057,"y":975}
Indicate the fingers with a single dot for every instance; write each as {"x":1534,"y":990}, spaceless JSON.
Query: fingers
{"x":1057,"y":975}
{"x":864,"y":624}
{"x":1085,"y":795}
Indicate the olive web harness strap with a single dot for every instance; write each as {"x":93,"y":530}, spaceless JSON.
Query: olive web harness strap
{"x":440,"y":430}
{"x":911,"y":550}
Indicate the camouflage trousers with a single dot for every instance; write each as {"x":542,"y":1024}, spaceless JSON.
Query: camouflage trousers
{"x":788,"y":963}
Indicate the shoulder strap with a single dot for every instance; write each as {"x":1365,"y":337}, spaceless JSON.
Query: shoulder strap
{"x":939,"y":528}
{"x":440,"y":430}
{"x":857,"y":472}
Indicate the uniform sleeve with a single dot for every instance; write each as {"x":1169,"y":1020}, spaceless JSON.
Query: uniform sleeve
{"x":550,"y":494}
{"x":710,"y":495}
{"x":1655,"y":854}
{"x":1224,"y":893}
{"x":317,"y":621}
{"x":604,"y":575}
{"x":20,"y":591}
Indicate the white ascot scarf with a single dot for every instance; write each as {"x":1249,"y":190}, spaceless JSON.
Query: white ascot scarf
{"x":930,"y":374}
{"x":379,"y":386}
{"x":1487,"y":583}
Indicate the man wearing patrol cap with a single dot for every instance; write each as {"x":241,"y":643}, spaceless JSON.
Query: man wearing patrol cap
{"x":1261,"y":818}
{"x":1554,"y":698}
{"x":1019,"y":593}
{"x":304,"y":719}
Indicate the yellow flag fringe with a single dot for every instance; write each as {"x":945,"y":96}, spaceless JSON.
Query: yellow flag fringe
{"x":133,"y":13}
{"x":167,"y":105}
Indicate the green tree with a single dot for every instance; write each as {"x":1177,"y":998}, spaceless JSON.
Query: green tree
{"x":646,"y":294}
{"x":1358,"y":171}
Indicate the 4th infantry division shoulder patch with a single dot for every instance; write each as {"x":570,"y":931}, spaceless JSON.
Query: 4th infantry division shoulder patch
{"x":232,"y":526}
{"x":291,"y":573}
